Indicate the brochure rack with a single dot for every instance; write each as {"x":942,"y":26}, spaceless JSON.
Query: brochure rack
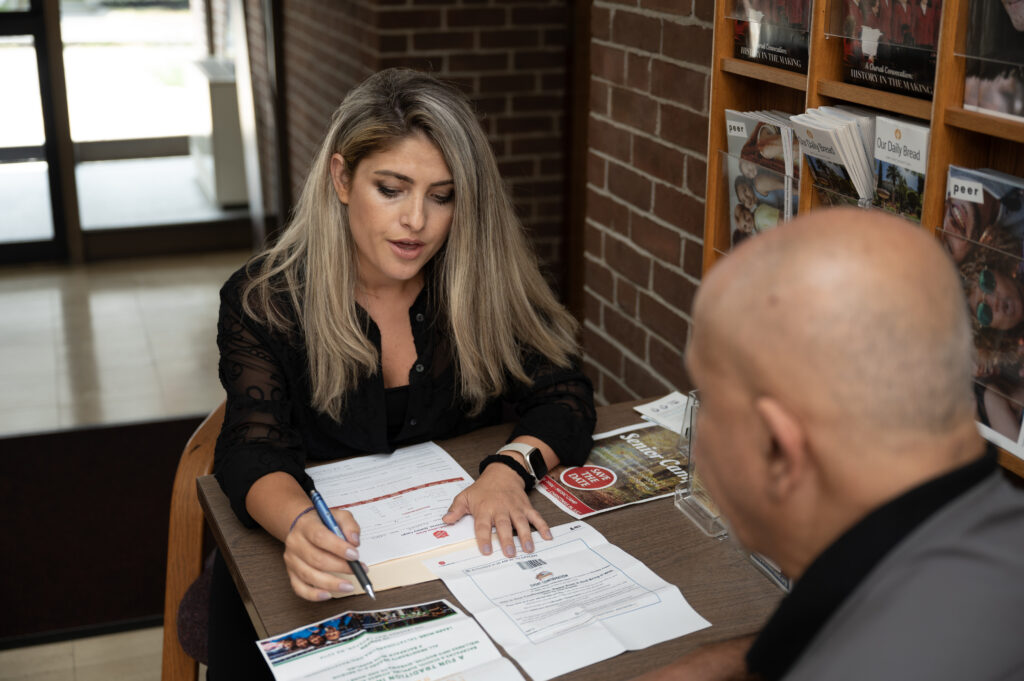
{"x":958,"y":136}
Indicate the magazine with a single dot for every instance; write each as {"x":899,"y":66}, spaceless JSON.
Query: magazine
{"x":772,"y":32}
{"x":983,"y":230}
{"x":626,"y":466}
{"x":760,"y":165}
{"x":901,"y":162}
{"x":994,"y":81}
{"x":889,"y":44}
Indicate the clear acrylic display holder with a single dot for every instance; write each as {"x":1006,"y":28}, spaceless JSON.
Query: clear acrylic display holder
{"x":993,"y":52}
{"x":827,"y":197}
{"x":769,"y":14}
{"x":743,"y":222}
{"x":772,"y":33}
{"x":881,"y":50}
{"x":842,"y":23}
{"x":691,"y":496}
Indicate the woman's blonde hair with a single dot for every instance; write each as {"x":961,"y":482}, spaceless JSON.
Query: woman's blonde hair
{"x":488,"y":288}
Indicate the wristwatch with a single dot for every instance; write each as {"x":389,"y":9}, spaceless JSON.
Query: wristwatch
{"x":535,"y":468}
{"x":535,"y":464}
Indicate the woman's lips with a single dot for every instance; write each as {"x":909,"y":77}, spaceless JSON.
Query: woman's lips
{"x":407,"y":249}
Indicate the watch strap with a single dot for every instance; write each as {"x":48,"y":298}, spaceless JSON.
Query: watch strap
{"x":511,"y":463}
{"x":535,"y":464}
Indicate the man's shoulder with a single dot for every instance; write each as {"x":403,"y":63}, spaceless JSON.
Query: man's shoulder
{"x":946,"y":603}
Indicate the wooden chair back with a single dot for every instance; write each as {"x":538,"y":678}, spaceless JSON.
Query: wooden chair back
{"x":185,"y":542}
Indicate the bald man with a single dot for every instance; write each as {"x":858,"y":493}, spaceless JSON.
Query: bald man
{"x":836,"y":433}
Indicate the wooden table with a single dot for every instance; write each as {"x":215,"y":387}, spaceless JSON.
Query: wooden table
{"x":717,"y":580}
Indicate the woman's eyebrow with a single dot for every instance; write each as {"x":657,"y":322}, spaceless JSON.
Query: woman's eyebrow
{"x":406,"y":178}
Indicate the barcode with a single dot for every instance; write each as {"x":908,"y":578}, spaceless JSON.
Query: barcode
{"x":530,"y":564}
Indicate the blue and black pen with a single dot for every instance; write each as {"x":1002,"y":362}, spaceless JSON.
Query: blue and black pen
{"x":328,"y":518}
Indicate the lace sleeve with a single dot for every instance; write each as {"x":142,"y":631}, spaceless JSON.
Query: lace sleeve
{"x":257,"y":437}
{"x":558,"y":409}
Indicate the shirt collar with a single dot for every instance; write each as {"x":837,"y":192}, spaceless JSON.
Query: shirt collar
{"x":840,"y":568}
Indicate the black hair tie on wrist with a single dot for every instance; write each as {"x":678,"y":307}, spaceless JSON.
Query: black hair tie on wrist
{"x":511,"y":463}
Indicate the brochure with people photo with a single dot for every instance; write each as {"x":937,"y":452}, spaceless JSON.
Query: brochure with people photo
{"x":994,"y":81}
{"x":983,"y":230}
{"x":772,"y":32}
{"x":889,"y":44}
{"x":626,"y":466}
{"x":762,"y":163}
{"x":425,"y":641}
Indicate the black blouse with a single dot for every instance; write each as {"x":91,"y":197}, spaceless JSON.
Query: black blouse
{"x":270,"y":425}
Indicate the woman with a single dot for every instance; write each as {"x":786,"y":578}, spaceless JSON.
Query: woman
{"x":402,"y":304}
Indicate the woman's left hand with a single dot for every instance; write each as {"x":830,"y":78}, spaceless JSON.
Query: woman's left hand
{"x":497,"y":499}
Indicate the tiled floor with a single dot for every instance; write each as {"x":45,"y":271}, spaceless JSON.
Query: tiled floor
{"x":113,"y":342}
{"x":128,"y":656}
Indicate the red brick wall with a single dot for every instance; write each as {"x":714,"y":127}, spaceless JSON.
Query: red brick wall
{"x":646,"y":170}
{"x":510,"y":57}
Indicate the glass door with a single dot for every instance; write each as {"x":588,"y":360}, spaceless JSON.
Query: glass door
{"x":30,"y":206}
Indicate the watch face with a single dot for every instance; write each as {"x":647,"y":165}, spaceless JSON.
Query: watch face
{"x":537,"y":463}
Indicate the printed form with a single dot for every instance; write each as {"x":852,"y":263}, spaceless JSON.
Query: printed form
{"x":575,"y":601}
{"x":397,"y":499}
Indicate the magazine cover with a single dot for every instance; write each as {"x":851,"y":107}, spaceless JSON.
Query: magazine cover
{"x":983,"y":230}
{"x":626,"y":466}
{"x":901,"y":162}
{"x":994,"y":81}
{"x":772,"y":32}
{"x":890,"y":44}
{"x":760,"y":154}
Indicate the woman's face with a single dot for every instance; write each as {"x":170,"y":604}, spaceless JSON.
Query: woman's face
{"x":1015,"y":8}
{"x":400,"y":205}
{"x":960,"y":227}
{"x":744,"y":219}
{"x":995,"y":300}
{"x":745,"y":193}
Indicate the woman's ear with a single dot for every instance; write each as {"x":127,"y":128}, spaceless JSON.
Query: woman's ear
{"x":340,"y":177}
{"x":788,"y":456}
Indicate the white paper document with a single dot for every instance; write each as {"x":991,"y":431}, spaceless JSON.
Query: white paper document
{"x":671,"y":411}
{"x":575,"y":601}
{"x":397,"y":499}
{"x":424,"y":642}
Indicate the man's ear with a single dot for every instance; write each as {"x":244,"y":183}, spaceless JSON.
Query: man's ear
{"x":787,"y":457}
{"x":340,"y":177}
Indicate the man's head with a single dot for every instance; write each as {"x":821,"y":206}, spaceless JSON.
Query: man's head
{"x":834,"y":360}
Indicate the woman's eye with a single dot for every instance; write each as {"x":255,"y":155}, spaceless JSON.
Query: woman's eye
{"x":386,"y":191}
{"x":444,"y":198}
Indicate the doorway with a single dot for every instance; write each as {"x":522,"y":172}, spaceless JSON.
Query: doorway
{"x":98,"y":145}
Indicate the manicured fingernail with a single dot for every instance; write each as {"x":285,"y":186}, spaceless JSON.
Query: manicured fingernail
{"x":354,"y":538}
{"x":510,"y":550}
{"x":345,"y":587}
{"x":322,"y":595}
{"x":352,"y":554}
{"x":486,"y":549}
{"x":528,"y":546}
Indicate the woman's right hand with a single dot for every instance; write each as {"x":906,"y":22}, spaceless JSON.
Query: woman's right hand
{"x":312,"y":552}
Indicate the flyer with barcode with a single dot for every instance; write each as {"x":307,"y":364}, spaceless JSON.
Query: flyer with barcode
{"x":574,"y":601}
{"x":627,"y":466}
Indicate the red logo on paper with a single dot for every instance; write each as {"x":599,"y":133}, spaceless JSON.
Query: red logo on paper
{"x":588,"y":477}
{"x":440,"y":534}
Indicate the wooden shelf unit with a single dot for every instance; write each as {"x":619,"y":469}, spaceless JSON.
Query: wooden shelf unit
{"x":958,"y":136}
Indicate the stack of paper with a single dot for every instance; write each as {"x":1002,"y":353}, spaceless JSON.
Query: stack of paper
{"x":838,"y":145}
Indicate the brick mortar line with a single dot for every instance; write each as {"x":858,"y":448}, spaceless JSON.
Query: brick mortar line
{"x":661,"y":56}
{"x":630,"y":165}
{"x":646,"y":135}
